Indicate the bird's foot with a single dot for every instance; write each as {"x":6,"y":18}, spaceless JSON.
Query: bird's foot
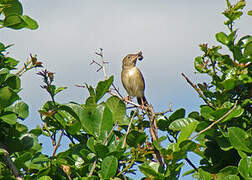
{"x":127,"y":99}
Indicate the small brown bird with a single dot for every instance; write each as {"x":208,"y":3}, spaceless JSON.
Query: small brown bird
{"x":132,"y":78}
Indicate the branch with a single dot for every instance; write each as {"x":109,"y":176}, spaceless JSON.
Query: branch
{"x":8,"y":162}
{"x":154,"y":132}
{"x":198,"y":90}
{"x":215,"y":122}
{"x":93,"y":168}
{"x":124,"y":141}
{"x":105,"y":142}
{"x":58,"y":144}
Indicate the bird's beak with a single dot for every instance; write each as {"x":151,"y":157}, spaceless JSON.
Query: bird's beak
{"x":138,"y":56}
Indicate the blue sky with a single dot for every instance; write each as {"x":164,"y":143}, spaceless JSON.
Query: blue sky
{"x":167,"y":32}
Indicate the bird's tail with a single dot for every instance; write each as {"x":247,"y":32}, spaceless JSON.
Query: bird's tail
{"x":142,"y":101}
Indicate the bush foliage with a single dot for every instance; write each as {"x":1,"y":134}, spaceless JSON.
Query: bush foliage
{"x":108,"y":143}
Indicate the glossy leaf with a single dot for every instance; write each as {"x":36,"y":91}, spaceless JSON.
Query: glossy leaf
{"x":204,"y":175}
{"x":151,"y":173}
{"x":10,"y":118}
{"x":45,"y":178}
{"x":59,"y":89}
{"x":98,"y":123}
{"x":109,"y":167}
{"x":22,"y":109}
{"x":13,"y":7}
{"x":237,"y":138}
{"x":30,"y":23}
{"x":228,"y":170}
{"x":248,"y":49}
{"x":245,"y":168}
{"x":181,"y":123}
{"x":3,"y":73}
{"x":14,"y":22}
{"x":222,"y":38}
{"x":103,"y":87}
{"x":7,"y":97}
{"x":135,"y":138}
{"x":231,"y":177}
{"x":179,"y":113}
{"x":118,"y":109}
{"x":187,"y":130}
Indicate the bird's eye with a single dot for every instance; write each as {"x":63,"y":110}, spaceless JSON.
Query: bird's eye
{"x":128,"y":57}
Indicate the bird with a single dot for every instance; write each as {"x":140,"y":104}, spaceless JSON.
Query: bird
{"x":132,"y":78}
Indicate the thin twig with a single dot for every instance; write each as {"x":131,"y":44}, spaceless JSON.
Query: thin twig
{"x":164,"y":112}
{"x":198,"y":90}
{"x":215,"y":122}
{"x":124,"y":141}
{"x":58,"y":144}
{"x":8,"y":162}
{"x":105,"y":142}
{"x":191,"y":164}
{"x":110,"y":133}
{"x":93,"y":168}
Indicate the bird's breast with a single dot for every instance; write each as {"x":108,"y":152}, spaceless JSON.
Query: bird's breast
{"x":133,"y":81}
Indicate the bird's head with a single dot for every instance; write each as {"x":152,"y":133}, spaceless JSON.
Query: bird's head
{"x":130,"y":59}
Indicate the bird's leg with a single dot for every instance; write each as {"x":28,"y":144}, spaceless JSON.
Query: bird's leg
{"x":127,"y":98}
{"x":142,"y":103}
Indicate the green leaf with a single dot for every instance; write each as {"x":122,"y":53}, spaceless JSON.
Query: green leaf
{"x":13,"y":7}
{"x":45,"y":178}
{"x":3,"y":73}
{"x":228,"y":170}
{"x":30,"y":23}
{"x":13,"y":81}
{"x":250,"y":12}
{"x":59,"y":89}
{"x":181,"y":123}
{"x":222,"y":38}
{"x":248,"y":49}
{"x":237,"y":112}
{"x":231,"y":177}
{"x":109,"y":167}
{"x":118,"y":109}
{"x":14,"y":22}
{"x":150,"y":172}
{"x":22,"y":109}
{"x":245,"y":168}
{"x":2,"y":47}
{"x":200,"y":65}
{"x":135,"y":138}
{"x":204,"y":175}
{"x":98,"y":123}
{"x":103,"y":87}
{"x":187,"y":130}
{"x":179,"y":113}
{"x":10,"y":118}
{"x":101,"y":150}
{"x":238,"y":138}
{"x":22,"y":159}
{"x":3,"y":151}
{"x":90,"y":144}
{"x":7,"y":97}
{"x":229,"y":84}
{"x":30,"y":141}
{"x":239,"y":5}
{"x":11,"y":62}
